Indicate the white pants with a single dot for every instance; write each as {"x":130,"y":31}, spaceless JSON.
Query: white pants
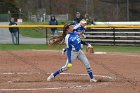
{"x":81,"y":56}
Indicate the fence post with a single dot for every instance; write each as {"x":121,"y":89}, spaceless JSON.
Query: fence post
{"x":46,"y":36}
{"x":18,"y":37}
{"x":114,"y":40}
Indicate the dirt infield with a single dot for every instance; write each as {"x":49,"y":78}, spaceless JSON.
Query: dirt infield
{"x":27,"y":72}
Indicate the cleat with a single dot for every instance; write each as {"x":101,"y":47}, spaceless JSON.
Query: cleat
{"x":50,"y":77}
{"x":93,"y":80}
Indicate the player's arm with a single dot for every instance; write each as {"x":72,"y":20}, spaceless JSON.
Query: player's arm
{"x":68,"y":48}
{"x":69,"y":54}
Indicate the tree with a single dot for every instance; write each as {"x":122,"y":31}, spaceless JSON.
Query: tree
{"x":8,"y":5}
{"x":104,"y":10}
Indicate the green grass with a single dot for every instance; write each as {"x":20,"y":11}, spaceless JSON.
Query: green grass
{"x":124,"y":49}
{"x":33,"y":32}
{"x":30,"y":47}
{"x":37,"y":32}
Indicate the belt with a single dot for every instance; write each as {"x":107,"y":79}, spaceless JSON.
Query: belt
{"x":74,"y":50}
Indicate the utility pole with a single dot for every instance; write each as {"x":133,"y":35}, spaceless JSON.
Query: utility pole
{"x":127,"y":3}
{"x":117,"y":8}
{"x":9,"y":14}
{"x":50,"y":6}
{"x":19,"y":13}
{"x":87,"y":6}
{"x":39,"y":4}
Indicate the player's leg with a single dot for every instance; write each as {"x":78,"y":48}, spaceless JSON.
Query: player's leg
{"x":56,"y":32}
{"x":13,"y":38}
{"x":64,"y":68}
{"x":52,"y":32}
{"x":16,"y":37}
{"x":82,"y":57}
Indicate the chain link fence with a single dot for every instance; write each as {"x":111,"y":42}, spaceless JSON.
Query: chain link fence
{"x":33,"y":18}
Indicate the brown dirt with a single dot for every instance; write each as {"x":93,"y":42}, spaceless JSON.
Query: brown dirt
{"x":27,"y":72}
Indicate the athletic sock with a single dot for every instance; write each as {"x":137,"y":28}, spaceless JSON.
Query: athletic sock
{"x":57,"y":72}
{"x":90,"y":73}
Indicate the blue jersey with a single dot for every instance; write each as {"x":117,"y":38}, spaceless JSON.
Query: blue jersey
{"x":79,"y":28}
{"x":73,"y":43}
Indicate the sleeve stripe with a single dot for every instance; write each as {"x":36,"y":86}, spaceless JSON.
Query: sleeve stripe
{"x":66,"y":40}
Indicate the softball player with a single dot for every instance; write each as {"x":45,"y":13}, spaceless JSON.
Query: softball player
{"x":73,"y":48}
{"x":80,"y":29}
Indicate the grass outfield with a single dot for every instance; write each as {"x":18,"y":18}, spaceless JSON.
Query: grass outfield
{"x":33,"y":32}
{"x":37,"y":32}
{"x":127,"y":49}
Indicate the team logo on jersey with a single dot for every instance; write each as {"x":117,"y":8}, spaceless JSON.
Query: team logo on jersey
{"x":76,"y":38}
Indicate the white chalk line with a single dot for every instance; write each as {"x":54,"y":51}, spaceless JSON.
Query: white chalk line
{"x":98,"y":53}
{"x":55,"y":88}
{"x":25,"y":73}
{"x":51,"y":88}
{"x":46,"y":50}
{"x":87,"y":75}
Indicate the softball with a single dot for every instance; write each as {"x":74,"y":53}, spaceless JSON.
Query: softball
{"x":69,"y":65}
